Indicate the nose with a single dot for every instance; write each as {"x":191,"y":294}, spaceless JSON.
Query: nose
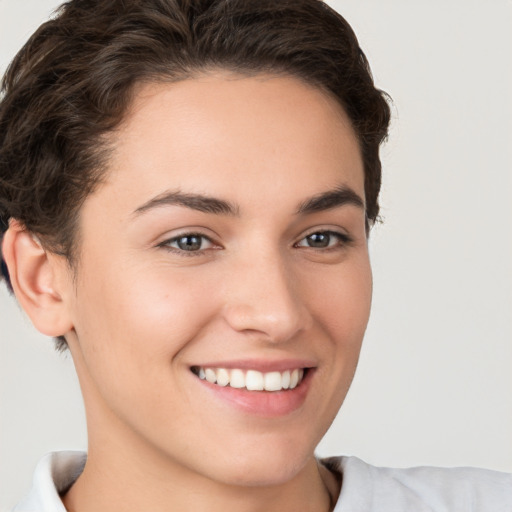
{"x":263,"y":297}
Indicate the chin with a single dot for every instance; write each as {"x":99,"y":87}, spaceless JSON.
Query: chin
{"x":262,"y":466}
{"x":261,"y":475}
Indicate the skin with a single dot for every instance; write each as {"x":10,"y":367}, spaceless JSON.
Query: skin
{"x":138,"y":313}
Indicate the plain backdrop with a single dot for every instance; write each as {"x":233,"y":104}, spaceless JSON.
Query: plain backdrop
{"x":434,"y":384}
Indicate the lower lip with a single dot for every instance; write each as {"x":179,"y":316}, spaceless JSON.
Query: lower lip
{"x":262,"y":403}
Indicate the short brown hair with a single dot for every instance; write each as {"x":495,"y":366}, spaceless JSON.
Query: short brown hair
{"x":73,"y":80}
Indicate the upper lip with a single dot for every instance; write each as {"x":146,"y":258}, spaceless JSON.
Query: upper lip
{"x":262,"y":365}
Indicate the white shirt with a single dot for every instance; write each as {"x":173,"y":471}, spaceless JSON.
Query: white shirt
{"x":365,"y":488}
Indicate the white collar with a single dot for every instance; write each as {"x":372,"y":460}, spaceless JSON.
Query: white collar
{"x":54,"y":475}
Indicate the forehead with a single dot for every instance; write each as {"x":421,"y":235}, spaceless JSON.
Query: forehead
{"x":235,"y":135}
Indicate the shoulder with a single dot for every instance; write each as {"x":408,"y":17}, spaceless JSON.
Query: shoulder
{"x":54,"y":474}
{"x":422,"y":489}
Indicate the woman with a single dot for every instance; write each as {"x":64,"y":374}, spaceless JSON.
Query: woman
{"x":187,"y":190}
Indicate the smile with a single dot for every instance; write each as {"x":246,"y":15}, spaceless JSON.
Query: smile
{"x":251,"y":380}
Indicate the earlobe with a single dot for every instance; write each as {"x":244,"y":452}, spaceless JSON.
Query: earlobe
{"x":35,"y":280}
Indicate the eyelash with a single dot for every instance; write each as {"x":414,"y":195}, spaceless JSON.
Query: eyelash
{"x":182,"y":252}
{"x":342,"y":238}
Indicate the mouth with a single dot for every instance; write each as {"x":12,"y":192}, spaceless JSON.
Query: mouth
{"x":252,"y":380}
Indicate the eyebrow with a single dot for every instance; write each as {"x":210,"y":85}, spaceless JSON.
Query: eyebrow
{"x":198,"y":202}
{"x":340,"y":196}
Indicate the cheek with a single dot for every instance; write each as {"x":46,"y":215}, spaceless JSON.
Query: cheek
{"x":131,"y":337}
{"x":128,"y":327}
{"x":341,"y":302}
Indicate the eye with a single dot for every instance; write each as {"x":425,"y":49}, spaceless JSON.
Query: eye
{"x":324,"y":240}
{"x":188,"y":242}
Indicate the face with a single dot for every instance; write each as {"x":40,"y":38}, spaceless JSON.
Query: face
{"x":224,"y":284}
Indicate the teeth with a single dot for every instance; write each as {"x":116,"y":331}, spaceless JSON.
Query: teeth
{"x":285,"y":379}
{"x":237,"y":379}
{"x":222,"y":377}
{"x":252,"y":380}
{"x":210,"y":375}
{"x":273,"y":381}
{"x":294,"y":378}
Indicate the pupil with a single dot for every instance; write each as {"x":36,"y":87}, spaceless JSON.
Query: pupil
{"x":319,"y":240}
{"x":189,"y":243}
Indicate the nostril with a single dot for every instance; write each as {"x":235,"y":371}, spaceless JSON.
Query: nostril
{"x":277,"y":322}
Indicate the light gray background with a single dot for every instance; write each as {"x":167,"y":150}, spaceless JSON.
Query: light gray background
{"x":434,"y":385}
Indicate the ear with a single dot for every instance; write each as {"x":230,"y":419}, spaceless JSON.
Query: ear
{"x":39,"y":280}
